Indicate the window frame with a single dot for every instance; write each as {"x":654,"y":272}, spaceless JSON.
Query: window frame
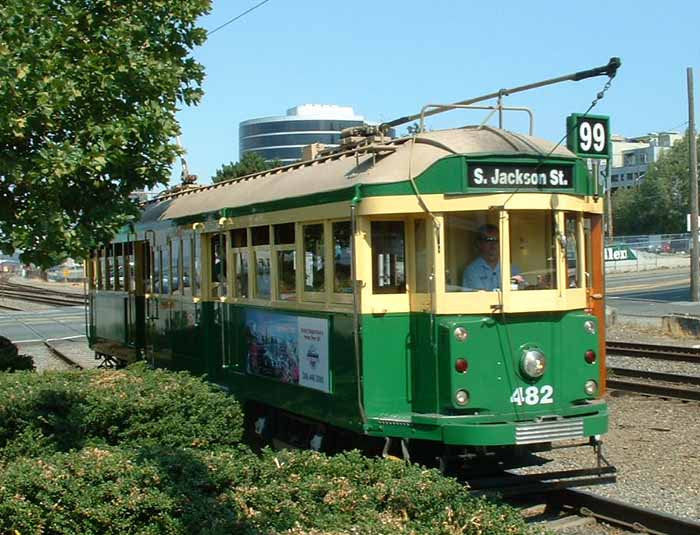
{"x":406,"y":259}
{"x":311,"y":296}
{"x":253,"y":261}
{"x":340,"y":297}
{"x":234,"y":272}
{"x":274,"y":271}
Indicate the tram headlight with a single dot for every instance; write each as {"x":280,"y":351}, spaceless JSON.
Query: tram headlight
{"x":589,"y":326}
{"x":533,"y":363}
{"x":461,"y":334}
{"x":591,"y":388}
{"x":462,"y":397}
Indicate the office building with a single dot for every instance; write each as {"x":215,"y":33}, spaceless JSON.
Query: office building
{"x":283,"y":137}
{"x":632,"y":156}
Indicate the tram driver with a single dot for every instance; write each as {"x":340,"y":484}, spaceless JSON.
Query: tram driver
{"x":484,"y":273}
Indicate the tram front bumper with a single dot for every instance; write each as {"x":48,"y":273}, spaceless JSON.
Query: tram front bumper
{"x":472,"y":430}
{"x":539,"y":430}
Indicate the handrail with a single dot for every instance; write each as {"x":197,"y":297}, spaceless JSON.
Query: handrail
{"x":447,"y":107}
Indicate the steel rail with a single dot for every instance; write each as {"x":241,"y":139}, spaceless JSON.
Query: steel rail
{"x":42,"y":300}
{"x":653,"y":351}
{"x":589,"y":504}
{"x":23,"y":295}
{"x":613,"y":511}
{"x":660,"y":391}
{"x":655,"y":376}
{"x":61,"y":356}
{"x":38,"y":289}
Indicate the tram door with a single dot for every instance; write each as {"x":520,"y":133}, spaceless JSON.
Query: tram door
{"x":221,"y":360}
{"x":595,"y":284}
{"x":150,"y":296}
{"x":135,"y":262}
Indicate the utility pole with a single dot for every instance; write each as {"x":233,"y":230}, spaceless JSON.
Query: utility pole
{"x":695,"y":253}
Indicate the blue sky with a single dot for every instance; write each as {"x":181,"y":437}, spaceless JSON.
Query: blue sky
{"x":387,"y":59}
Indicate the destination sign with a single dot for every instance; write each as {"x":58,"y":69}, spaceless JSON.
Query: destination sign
{"x":519,"y":176}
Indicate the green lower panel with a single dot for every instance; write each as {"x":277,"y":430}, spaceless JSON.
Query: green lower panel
{"x":469,"y":431}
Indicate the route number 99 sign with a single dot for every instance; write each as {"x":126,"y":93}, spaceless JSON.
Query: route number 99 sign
{"x":588,"y":135}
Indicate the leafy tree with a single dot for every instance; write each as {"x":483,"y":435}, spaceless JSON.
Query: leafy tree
{"x":88,"y":92}
{"x":662,"y":200}
{"x":250,"y":163}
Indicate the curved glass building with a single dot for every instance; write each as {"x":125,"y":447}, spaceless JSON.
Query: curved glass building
{"x":283,"y":137}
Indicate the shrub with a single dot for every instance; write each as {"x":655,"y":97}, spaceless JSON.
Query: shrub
{"x":11,"y":360}
{"x":303,"y":492}
{"x":156,"y":452}
{"x":112,"y":490}
{"x":137,"y":407}
{"x":101,"y":491}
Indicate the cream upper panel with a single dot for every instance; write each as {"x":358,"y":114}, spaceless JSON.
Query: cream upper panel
{"x":408,"y":204}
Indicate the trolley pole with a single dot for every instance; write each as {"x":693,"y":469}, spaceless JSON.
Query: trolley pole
{"x":695,"y":253}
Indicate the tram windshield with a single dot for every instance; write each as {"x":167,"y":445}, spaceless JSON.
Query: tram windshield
{"x":473,"y":250}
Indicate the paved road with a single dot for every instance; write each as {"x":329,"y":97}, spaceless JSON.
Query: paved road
{"x":58,"y":323}
{"x":651,"y":293}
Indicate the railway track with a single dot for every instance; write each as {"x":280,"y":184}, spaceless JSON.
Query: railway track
{"x":555,"y":507}
{"x":631,"y":517}
{"x":653,"y":351}
{"x":662,"y":385}
{"x":35,"y":294}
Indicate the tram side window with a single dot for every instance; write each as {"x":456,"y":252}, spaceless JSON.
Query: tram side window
{"x":388,"y":257}
{"x":472,"y":252}
{"x":342,"y":257}
{"x":260,"y":236}
{"x":239,"y":242}
{"x":176,"y":275}
{"x":420,"y":240}
{"x":109,"y":267}
{"x":533,"y":249}
{"x":129,"y":267}
{"x":573,"y":262}
{"x":218,"y":264}
{"x":118,"y":257}
{"x":314,"y":268}
{"x":157,"y":263}
{"x":285,"y":249}
{"x":90,"y":270}
{"x":187,"y":265}
{"x":166,"y":270}
{"x":197,"y":264}
{"x":99,"y":269}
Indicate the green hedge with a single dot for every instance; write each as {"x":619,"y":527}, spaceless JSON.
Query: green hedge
{"x":116,"y":491}
{"x":154,"y":452}
{"x":139,"y":407}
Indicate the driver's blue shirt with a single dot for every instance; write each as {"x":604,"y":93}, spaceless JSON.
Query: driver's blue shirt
{"x":479,"y":275}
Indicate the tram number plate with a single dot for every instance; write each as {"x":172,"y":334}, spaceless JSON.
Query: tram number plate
{"x":532,"y":395}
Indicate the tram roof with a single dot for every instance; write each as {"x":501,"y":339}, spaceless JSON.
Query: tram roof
{"x":366,"y":165}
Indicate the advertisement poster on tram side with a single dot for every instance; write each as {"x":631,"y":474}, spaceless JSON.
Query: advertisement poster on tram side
{"x":313,"y":353}
{"x":291,"y":349}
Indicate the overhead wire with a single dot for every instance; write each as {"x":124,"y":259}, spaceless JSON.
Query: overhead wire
{"x":234,"y":19}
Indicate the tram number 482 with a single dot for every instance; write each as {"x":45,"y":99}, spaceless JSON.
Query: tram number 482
{"x":532,"y":395}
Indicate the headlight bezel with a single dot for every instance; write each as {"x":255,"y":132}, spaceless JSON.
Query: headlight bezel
{"x":533,"y":363}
